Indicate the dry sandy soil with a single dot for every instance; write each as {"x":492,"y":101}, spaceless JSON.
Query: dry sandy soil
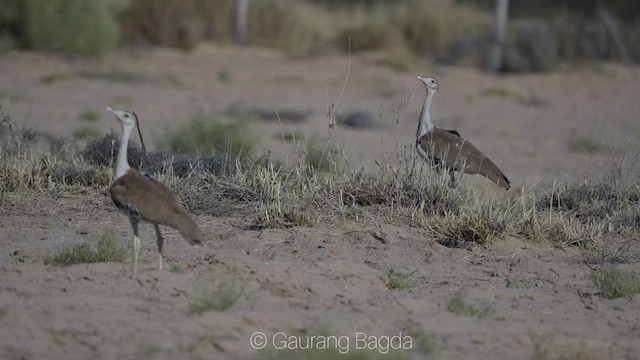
{"x":331,"y":279}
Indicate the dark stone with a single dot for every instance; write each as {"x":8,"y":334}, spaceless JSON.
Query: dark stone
{"x":358,"y":119}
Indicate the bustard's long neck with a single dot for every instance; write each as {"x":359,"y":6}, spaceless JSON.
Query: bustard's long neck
{"x":122,"y":165}
{"x":426,"y":124}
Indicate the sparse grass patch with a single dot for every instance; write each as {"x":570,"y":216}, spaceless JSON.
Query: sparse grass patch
{"x":89,"y":116}
{"x":223,"y":298}
{"x":66,"y":333}
{"x":107,"y":249}
{"x":423,"y":343}
{"x":80,"y":26}
{"x":585,"y":144}
{"x":479,"y":223}
{"x":177,"y":269}
{"x":87,"y":133}
{"x":224,"y":74}
{"x":207,"y":134}
{"x":397,"y":280}
{"x":459,"y":306}
{"x":508,"y":93}
{"x":146,"y":349}
{"x":614,"y":283}
{"x":4,"y":311}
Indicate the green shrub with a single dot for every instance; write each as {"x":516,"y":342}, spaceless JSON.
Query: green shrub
{"x":459,"y":306}
{"x":108,"y":249}
{"x":206,"y":134}
{"x":79,"y":26}
{"x":614,"y":283}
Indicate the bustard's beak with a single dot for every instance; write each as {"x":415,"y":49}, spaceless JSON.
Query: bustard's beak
{"x":421,"y":78}
{"x":110,"y":109}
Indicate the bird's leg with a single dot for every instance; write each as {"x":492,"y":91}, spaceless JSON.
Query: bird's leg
{"x":136,"y":242}
{"x":453,"y":178}
{"x":159,"y":247}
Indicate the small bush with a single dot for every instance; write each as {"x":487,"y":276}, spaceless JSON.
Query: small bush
{"x":227,"y":294}
{"x":89,"y":115}
{"x":108,"y":249}
{"x":207,"y":134}
{"x":459,"y":306}
{"x":585,"y":144}
{"x":398,"y":281}
{"x":79,"y":26}
{"x":614,"y":283}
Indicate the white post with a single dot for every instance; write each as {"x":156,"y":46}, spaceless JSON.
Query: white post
{"x":242,"y":13}
{"x":502,"y":10}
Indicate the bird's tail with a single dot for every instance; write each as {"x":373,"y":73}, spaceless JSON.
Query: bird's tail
{"x":492,"y":172}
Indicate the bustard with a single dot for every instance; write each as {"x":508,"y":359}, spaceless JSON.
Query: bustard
{"x":143,"y":198}
{"x":447,"y":150}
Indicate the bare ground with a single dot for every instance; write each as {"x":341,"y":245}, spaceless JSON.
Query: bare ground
{"x":331,"y":279}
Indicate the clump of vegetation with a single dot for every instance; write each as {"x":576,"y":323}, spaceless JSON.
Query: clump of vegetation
{"x":223,"y":298}
{"x":398,"y":281}
{"x":80,"y":26}
{"x":585,"y":144}
{"x":459,"y":306}
{"x":207,"y":134}
{"x":614,"y":283}
{"x":107,"y":249}
{"x":89,"y":116}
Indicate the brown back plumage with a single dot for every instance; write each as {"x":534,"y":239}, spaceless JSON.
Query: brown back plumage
{"x":147,"y":199}
{"x":448,"y":149}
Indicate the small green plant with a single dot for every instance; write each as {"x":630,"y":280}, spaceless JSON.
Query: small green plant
{"x":224,"y":74}
{"x":459,"y":306}
{"x":540,"y":351}
{"x":147,"y":349}
{"x":398,"y":281}
{"x":177,"y":269}
{"x":89,"y":116}
{"x":614,"y":283}
{"x":515,"y":283}
{"x":87,"y":133}
{"x":67,"y":333}
{"x":107,"y":249}
{"x":585,"y":144}
{"x":4,"y":311}
{"x":225,"y":296}
{"x":423,"y":343}
{"x":207,"y":134}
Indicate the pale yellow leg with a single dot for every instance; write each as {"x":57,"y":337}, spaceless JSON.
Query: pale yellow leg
{"x":136,"y":242}
{"x":136,"y":251}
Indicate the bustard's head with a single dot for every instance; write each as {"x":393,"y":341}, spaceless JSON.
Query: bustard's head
{"x":127,"y":118}
{"x":430,"y":83}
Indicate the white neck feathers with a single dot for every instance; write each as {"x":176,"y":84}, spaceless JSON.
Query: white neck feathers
{"x":425,"y":124}
{"x":122,"y":165}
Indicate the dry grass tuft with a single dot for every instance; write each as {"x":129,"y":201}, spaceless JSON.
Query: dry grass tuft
{"x":107,"y":249}
{"x":614,"y":283}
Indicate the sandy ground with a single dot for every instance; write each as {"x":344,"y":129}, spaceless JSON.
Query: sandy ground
{"x":328,"y":280}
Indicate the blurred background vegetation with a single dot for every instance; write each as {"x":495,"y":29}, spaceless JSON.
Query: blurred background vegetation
{"x":450,"y":31}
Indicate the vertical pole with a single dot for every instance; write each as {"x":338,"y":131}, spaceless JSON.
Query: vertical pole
{"x":502,"y":9}
{"x":242,"y":13}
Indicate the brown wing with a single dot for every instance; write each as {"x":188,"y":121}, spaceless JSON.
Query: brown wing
{"x":147,"y":199}
{"x":449,"y":148}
